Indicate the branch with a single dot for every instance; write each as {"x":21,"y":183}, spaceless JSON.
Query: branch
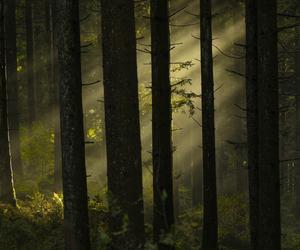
{"x":177,"y":11}
{"x":224,"y":54}
{"x":236,"y":73}
{"x":287,"y":15}
{"x":91,"y":83}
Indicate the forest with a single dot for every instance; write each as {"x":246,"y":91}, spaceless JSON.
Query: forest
{"x":149,"y":124}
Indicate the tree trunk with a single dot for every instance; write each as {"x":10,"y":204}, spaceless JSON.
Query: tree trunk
{"x":252,"y":116}
{"x":76,"y":222}
{"x":52,"y":72}
{"x":163,"y":218}
{"x":197,"y":177}
{"x":297,"y":72}
{"x":269,"y":230}
{"x":29,"y":64}
{"x":197,"y":191}
{"x":7,"y":192}
{"x":124,"y":167}
{"x":210,"y":213}
{"x":56,"y":106}
{"x":12,"y":87}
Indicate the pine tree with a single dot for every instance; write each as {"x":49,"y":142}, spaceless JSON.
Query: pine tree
{"x":269,"y":229}
{"x":210,"y":216}
{"x":7,"y":192}
{"x":124,"y":167}
{"x":12,"y":87}
{"x":163,"y":217}
{"x":30,"y":64}
{"x":252,"y":118}
{"x":76,"y":221}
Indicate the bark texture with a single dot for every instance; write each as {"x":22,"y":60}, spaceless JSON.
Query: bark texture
{"x":12,"y":87}
{"x":52,"y":72}
{"x":7,"y":192}
{"x":297,"y":75}
{"x":76,"y":222}
{"x":269,"y":230}
{"x":29,"y":64}
{"x":124,"y":168}
{"x":210,"y":216}
{"x":252,"y":117}
{"x":163,"y":217}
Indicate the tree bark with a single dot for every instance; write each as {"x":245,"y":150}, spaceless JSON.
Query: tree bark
{"x":76,"y":222}
{"x":269,"y":230}
{"x":252,"y":117}
{"x":210,"y":215}
{"x":197,"y":175}
{"x":297,"y":75}
{"x":7,"y":192}
{"x":29,"y":65}
{"x":124,"y":167}
{"x":12,"y":87}
{"x":163,"y":218}
{"x":52,"y":72}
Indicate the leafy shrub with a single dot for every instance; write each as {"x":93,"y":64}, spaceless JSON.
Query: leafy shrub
{"x":37,"y":224}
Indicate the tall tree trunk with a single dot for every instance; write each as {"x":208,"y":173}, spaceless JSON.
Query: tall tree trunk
{"x":12,"y":87}
{"x":297,"y":72}
{"x":76,"y":221}
{"x":56,"y":104}
{"x":48,"y":52}
{"x":102,"y":111}
{"x":29,"y":64}
{"x":197,"y":177}
{"x":7,"y":192}
{"x":124,"y":167}
{"x":269,"y":230}
{"x":52,"y":72}
{"x":210,"y":213}
{"x":252,"y":116}
{"x":163,"y":217}
{"x":197,"y":191}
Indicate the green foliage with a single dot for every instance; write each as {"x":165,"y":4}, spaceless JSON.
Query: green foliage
{"x":233,"y":222}
{"x":233,"y":225}
{"x":37,"y":151}
{"x":99,"y":223}
{"x":37,"y":224}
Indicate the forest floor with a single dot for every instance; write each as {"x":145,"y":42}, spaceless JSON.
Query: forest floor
{"x":36,"y":224}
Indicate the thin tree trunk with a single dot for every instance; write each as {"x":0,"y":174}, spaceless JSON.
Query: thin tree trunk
{"x":197,"y":177}
{"x":124,"y":166}
{"x":7,"y":192}
{"x":297,"y":72}
{"x":76,"y":221}
{"x":56,"y":106}
{"x":12,"y":87}
{"x":222,"y":170}
{"x":52,"y":72}
{"x":48,"y":50}
{"x":210,"y":214}
{"x":102,"y":111}
{"x":163,"y":218}
{"x":269,"y":230}
{"x":252,"y":117}
{"x":197,"y":191}
{"x":29,"y":64}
